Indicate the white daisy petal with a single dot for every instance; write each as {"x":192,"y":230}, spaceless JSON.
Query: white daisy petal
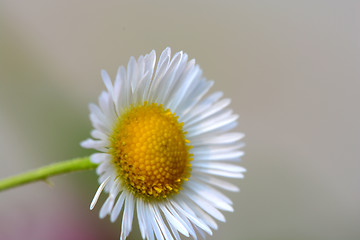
{"x":219,"y":166}
{"x":175,"y":232}
{"x":140,"y":216}
{"x":175,"y":77}
{"x":99,"y":125}
{"x":154,"y":88}
{"x":126,"y":92}
{"x":182,"y":218}
{"x":182,"y":65}
{"x":140,"y":89}
{"x":168,"y":79}
{"x":219,"y":122}
{"x":165,"y":231}
{"x":98,"y":192}
{"x":104,"y":209}
{"x":109,"y":203}
{"x":152,"y":220}
{"x":148,"y":220}
{"x":218,"y":183}
{"x":193,"y":219}
{"x":149,"y":68}
{"x":132,"y":73}
{"x":149,"y":61}
{"x":226,"y":138}
{"x":228,"y":156}
{"x":198,"y":186}
{"x":200,"y":232}
{"x":104,"y":176}
{"x":199,"y":214}
{"x":100,"y":116}
{"x":100,"y":157}
{"x":202,"y":106}
{"x":104,"y":100}
{"x":166,"y":54}
{"x":117,"y":208}
{"x":175,"y":222}
{"x":98,"y":145}
{"x":219,"y":173}
{"x":192,"y":98}
{"x":205,"y":217}
{"x":126,"y":224}
{"x":204,"y":205}
{"x":217,"y":149}
{"x":112,"y":181}
{"x":213,"y":197}
{"x":102,"y":167}
{"x":99,"y":135}
{"x":213,"y":110}
{"x":186,"y":87}
{"x":179,"y":84}
{"x":107,"y":81}
{"x":163,"y":141}
{"x":216,"y":131}
{"x":141,"y":65}
{"x":117,"y":95}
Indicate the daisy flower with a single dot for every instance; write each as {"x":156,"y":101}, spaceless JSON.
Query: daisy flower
{"x":165,"y":146}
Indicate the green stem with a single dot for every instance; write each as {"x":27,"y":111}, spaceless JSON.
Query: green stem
{"x":43,"y":173}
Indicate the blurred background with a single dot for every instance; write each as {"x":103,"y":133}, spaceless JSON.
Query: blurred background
{"x":291,"y":69}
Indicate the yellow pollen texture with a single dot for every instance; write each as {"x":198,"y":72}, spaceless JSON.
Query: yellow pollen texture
{"x":150,"y":151}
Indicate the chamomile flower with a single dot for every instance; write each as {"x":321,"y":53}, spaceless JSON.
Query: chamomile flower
{"x":165,"y":146}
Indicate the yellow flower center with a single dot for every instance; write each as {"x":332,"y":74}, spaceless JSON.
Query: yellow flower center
{"x":150,"y":151}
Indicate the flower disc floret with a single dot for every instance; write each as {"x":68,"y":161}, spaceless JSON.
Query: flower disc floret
{"x":150,"y":151}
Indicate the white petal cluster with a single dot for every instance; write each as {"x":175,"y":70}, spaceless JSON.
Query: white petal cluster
{"x":178,"y":84}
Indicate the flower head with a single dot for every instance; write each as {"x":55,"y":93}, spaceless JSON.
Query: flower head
{"x":164,"y":147}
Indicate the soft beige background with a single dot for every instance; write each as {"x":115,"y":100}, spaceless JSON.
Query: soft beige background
{"x":292,"y":69}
